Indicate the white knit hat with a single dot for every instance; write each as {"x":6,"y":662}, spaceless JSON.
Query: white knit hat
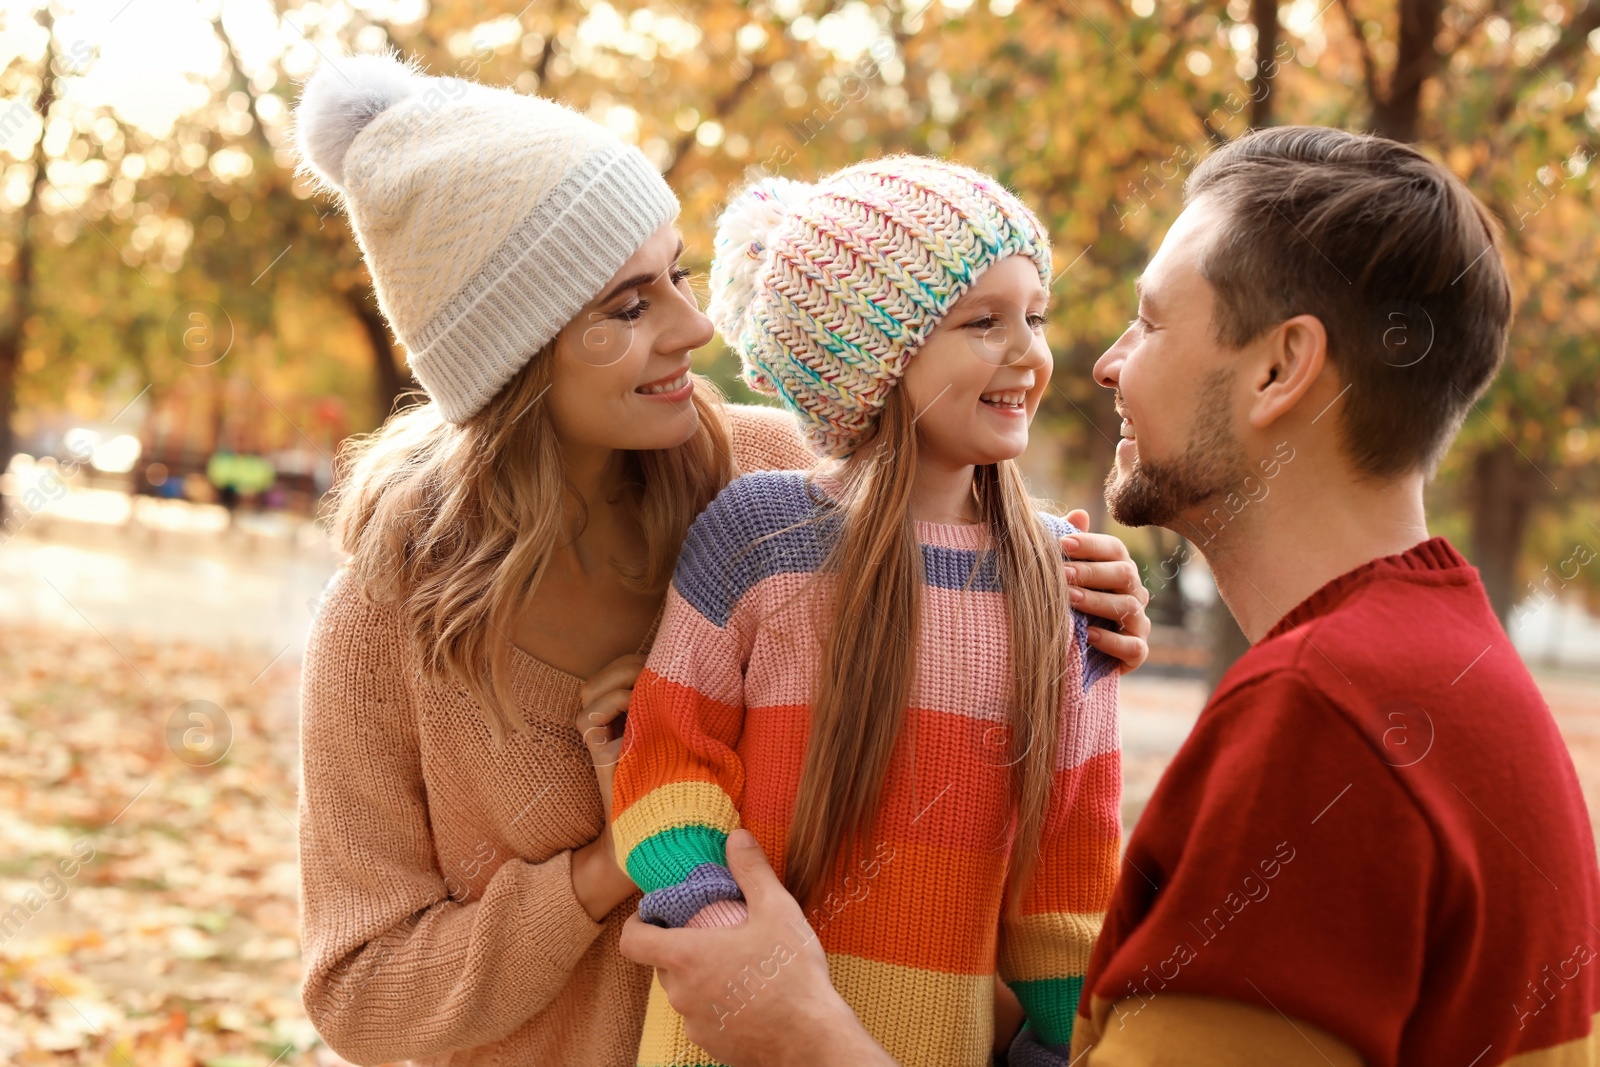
{"x":487,"y":218}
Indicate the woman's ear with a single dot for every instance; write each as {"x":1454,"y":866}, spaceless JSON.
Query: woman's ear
{"x":1289,"y":362}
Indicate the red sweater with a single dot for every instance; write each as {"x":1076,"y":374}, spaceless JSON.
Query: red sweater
{"x":1376,"y":828}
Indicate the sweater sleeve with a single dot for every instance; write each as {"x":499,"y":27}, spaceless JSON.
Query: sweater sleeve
{"x":1044,"y":951}
{"x":1251,"y":878}
{"x":680,"y":780}
{"x":767,"y":439}
{"x":395,"y":968}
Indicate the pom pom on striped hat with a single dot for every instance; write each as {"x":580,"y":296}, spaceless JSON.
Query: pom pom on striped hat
{"x":826,"y":291}
{"x":741,"y":248}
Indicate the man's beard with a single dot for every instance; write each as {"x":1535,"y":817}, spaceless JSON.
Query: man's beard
{"x":1158,"y":494}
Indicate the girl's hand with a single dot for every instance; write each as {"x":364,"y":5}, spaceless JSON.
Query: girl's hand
{"x":1102,"y":580}
{"x":604,"y":697}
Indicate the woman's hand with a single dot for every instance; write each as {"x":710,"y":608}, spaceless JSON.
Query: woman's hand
{"x":1102,"y":580}
{"x":598,"y":882}
{"x":1008,"y":1013}
{"x":604,"y":697}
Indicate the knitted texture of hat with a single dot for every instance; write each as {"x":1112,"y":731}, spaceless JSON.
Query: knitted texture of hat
{"x":487,"y":218}
{"x":826,"y":291}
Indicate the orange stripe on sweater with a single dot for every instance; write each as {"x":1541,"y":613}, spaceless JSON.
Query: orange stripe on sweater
{"x":935,"y":787}
{"x":675,"y":734}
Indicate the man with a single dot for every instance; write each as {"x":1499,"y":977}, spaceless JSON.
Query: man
{"x":1372,"y":847}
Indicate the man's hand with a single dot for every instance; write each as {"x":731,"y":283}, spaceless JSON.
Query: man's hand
{"x":783,"y":1009}
{"x":1103,"y":581}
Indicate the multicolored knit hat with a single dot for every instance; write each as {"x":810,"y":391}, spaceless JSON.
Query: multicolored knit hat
{"x":827,"y":290}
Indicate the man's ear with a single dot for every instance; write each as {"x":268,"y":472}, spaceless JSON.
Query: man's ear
{"x":1289,"y":364}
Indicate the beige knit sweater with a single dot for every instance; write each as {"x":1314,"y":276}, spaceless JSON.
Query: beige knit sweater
{"x":438,"y":920}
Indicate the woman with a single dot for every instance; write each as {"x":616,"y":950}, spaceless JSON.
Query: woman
{"x":510,"y":544}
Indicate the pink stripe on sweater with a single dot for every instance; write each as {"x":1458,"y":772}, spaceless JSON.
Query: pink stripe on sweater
{"x":779,"y":672}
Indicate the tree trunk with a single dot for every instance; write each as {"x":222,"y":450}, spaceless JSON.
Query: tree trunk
{"x":1394,"y":115}
{"x":1504,"y":493}
{"x":1167,"y":607}
{"x":1228,"y":642}
{"x":388,"y":383}
{"x":1264,"y":13}
{"x":15,"y":326}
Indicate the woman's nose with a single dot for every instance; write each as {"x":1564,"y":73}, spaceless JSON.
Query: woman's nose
{"x":689,"y":329}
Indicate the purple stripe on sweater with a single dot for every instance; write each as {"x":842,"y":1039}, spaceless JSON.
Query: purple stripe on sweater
{"x":674,"y":905}
{"x":1028,"y":1051}
{"x":757,"y":527}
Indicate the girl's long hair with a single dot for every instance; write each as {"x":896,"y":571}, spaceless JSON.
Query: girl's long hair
{"x":455,"y":524}
{"x":864,"y":681}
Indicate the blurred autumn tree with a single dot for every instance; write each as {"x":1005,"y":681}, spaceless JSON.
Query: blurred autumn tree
{"x":1094,"y":111}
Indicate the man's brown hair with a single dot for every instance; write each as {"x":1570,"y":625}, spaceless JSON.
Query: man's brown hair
{"x":1385,"y":246}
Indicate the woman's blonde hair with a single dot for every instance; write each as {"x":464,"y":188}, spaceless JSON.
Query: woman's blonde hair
{"x":864,"y":680}
{"x":455,"y":524}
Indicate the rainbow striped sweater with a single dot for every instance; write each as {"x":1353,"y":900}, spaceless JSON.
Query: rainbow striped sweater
{"x":914,"y":931}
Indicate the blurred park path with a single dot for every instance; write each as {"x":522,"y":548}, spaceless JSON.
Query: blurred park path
{"x":245,"y":589}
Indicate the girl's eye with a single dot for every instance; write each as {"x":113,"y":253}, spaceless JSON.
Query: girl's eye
{"x":1036,"y":321}
{"x":632,"y":311}
{"x":988,"y":322}
{"x":679,"y":274}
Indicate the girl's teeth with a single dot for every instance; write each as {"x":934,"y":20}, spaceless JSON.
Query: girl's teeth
{"x":1004,"y":400}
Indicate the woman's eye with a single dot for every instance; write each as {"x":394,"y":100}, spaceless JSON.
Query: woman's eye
{"x":633,"y":311}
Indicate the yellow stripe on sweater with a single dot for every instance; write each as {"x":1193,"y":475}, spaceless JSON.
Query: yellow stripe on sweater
{"x":1584,"y":1051}
{"x":896,"y":1005}
{"x":673,"y":804}
{"x":664,"y":1043}
{"x":892,"y":1002}
{"x":1049,"y":945}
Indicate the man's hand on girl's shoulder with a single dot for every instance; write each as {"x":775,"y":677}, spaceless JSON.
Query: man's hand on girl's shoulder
{"x":1103,"y":581}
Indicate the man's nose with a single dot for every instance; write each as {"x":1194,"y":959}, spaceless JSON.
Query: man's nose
{"x":1108,"y":368}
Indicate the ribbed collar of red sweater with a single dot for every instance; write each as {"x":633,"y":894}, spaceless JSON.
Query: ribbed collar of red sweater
{"x":1434,"y":554}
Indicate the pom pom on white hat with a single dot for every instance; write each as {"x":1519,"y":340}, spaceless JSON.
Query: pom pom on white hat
{"x":487,"y":218}
{"x":340,"y":100}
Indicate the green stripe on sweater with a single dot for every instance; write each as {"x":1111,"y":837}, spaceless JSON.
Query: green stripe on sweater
{"x":1052,"y":1005}
{"x":666,"y":858}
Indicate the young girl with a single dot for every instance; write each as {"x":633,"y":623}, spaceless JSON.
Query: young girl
{"x":873,"y":666}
